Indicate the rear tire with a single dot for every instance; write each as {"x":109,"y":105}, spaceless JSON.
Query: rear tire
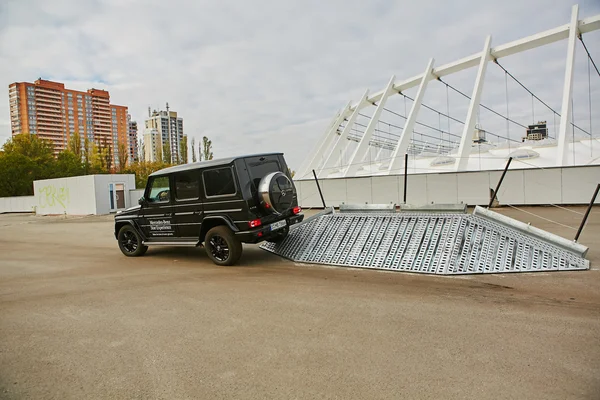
{"x":222,"y":247}
{"x":130,"y":242}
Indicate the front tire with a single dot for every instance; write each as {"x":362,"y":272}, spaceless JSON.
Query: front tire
{"x":222,"y":247}
{"x":130,"y":242}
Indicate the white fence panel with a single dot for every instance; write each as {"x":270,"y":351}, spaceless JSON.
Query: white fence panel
{"x":385,"y":189}
{"x":442,"y":188}
{"x":17,"y":204}
{"x":542,"y":186}
{"x":578,"y":185}
{"x":473,"y":188}
{"x":568,"y":185}
{"x":134,"y":196}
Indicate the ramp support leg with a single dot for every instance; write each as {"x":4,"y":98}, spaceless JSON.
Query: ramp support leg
{"x":499,"y":183}
{"x":405,"y":173}
{"x":587,"y":212}
{"x":319,"y":187}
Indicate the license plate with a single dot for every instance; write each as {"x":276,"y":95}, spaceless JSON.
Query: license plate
{"x":278,"y":225}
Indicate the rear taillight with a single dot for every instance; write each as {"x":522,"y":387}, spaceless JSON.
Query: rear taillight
{"x":296,"y":210}
{"x":254,"y":223}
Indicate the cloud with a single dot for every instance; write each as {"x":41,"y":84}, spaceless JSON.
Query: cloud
{"x":263,"y":75}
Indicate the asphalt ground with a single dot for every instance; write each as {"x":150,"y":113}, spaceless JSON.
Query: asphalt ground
{"x":78,"y":320}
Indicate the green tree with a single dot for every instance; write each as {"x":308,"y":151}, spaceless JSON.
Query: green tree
{"x":193,"y":150}
{"x":39,"y":150}
{"x":87,"y":155}
{"x":17,"y":173}
{"x":207,"y":148}
{"x":184,"y":150}
{"x":24,"y":159}
{"x":68,"y":164}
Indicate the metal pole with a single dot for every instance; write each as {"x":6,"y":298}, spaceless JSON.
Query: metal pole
{"x":405,"y":173}
{"x":500,"y":182}
{"x":319,"y":187}
{"x":587,"y":212}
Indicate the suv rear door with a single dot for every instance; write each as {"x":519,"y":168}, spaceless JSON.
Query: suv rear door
{"x":259,"y":167}
{"x":187,"y":207}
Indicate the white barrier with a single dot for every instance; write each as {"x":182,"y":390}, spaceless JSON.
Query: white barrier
{"x":17,"y":204}
{"x":560,"y":185}
{"x":134,"y":196}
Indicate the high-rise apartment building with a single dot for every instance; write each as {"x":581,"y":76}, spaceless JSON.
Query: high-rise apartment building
{"x":132,"y":142}
{"x":163,"y":132}
{"x":52,"y":112}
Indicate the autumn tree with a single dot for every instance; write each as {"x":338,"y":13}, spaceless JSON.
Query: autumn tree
{"x":166,"y":153}
{"x":142,"y":169}
{"x":74,"y":145}
{"x":123,"y":156}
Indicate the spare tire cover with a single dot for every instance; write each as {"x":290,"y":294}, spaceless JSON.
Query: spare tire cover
{"x":276,"y":192}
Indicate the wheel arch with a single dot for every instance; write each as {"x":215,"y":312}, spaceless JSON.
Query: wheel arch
{"x":121,"y":224}
{"x":210,"y":222}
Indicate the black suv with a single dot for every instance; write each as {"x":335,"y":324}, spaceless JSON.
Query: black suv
{"x":219,"y":203}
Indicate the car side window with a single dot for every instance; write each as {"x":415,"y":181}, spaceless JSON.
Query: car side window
{"x":219,"y":182}
{"x":186,"y":186}
{"x":159,"y":190}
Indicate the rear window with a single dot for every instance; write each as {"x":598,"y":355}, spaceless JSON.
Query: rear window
{"x":219,"y":182}
{"x":259,"y":169}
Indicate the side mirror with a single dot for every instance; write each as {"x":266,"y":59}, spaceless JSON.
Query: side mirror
{"x":142,"y":201}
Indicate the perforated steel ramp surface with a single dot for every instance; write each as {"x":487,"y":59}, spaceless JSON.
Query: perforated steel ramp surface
{"x":431,"y":243}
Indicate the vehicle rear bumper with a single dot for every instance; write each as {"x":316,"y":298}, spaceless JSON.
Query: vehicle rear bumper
{"x":264,"y":232}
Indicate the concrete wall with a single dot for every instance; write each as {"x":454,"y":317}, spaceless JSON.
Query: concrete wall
{"x":566,"y":185}
{"x":17,"y":204}
{"x":134,"y":196}
{"x":102,"y":190}
{"x":79,"y":195}
{"x":74,"y":195}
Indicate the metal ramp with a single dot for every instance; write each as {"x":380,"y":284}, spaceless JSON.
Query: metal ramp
{"x":430,"y":243}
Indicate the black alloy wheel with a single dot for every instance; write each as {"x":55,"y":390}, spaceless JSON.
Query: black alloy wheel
{"x":130,"y":242}
{"x":222,"y":247}
{"x":219,"y":248}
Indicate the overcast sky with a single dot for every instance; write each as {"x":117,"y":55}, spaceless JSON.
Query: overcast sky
{"x":269,"y":75}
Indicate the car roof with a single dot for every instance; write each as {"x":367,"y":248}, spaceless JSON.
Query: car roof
{"x":206,"y":164}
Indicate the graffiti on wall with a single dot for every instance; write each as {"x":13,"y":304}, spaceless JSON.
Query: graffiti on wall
{"x":53,"y":196}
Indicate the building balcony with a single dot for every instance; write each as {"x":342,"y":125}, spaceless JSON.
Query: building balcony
{"x":48,"y":97}
{"x":49,"y":109}
{"x":52,"y":124}
{"x":49,"y":115}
